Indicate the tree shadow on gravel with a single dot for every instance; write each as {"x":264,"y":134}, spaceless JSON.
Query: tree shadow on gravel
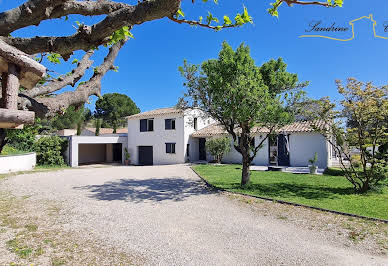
{"x":153,"y":189}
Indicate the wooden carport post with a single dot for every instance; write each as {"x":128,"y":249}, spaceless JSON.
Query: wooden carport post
{"x":17,"y":69}
{"x":10,"y":86}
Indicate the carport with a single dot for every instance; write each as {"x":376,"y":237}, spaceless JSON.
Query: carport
{"x":96,"y":149}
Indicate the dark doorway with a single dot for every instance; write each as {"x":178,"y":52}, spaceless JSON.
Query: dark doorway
{"x":117,"y":152}
{"x":146,"y":155}
{"x":202,"y":149}
{"x":283,"y":152}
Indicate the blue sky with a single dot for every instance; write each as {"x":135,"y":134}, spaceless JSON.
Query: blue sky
{"x":148,"y":64}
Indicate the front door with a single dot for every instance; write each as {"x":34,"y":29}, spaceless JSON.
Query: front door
{"x":283,"y":150}
{"x":202,"y":149}
{"x":146,"y":155}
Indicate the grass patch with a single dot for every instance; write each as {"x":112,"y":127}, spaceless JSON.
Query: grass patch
{"x":323,"y":191}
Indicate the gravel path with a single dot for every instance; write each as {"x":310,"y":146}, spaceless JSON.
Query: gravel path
{"x":165,"y":214}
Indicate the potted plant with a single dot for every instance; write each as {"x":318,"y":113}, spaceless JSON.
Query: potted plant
{"x":127,"y":157}
{"x":313,"y":168}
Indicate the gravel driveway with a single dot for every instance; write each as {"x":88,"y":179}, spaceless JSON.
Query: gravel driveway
{"x":165,"y":214}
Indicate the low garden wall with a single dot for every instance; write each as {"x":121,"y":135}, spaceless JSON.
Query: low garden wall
{"x":16,"y":163}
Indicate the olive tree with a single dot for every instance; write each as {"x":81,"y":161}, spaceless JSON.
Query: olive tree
{"x":242,"y":97}
{"x":218,"y":147}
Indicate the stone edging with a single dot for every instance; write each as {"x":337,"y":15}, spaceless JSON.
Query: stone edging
{"x":289,"y":203}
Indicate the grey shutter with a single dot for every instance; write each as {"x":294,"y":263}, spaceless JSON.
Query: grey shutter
{"x":167,"y":123}
{"x":168,"y":148}
{"x":143,"y":125}
{"x":150,"y":125}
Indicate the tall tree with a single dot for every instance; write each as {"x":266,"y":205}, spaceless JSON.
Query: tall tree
{"x":112,"y":108}
{"x":71,"y":118}
{"x":242,"y":97}
{"x":359,"y":121}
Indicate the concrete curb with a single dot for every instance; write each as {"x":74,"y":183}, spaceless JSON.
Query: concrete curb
{"x":288,"y":203}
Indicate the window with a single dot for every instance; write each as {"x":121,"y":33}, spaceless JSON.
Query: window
{"x":146,"y":125}
{"x":188,"y":150}
{"x":195,"y":123}
{"x":170,"y":147}
{"x":169,"y":124}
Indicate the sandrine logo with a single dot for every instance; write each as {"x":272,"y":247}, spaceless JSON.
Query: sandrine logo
{"x":322,"y":31}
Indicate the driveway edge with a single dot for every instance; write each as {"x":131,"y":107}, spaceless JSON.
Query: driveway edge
{"x":288,"y":202}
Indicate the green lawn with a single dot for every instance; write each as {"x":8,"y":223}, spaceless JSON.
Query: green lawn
{"x":324,"y":191}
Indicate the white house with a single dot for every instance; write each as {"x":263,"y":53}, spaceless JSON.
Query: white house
{"x":293,"y":145}
{"x":163,"y":136}
{"x":171,"y":136}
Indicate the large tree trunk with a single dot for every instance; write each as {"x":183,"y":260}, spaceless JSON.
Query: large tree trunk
{"x":245,"y":148}
{"x":245,"y":170}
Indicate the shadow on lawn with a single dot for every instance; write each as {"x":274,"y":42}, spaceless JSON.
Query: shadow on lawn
{"x":294,"y":190}
{"x":152,"y":189}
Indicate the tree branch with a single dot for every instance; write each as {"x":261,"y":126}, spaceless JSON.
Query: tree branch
{"x":48,"y":106}
{"x":71,"y":79}
{"x":89,"y":37}
{"x":35,"y":11}
{"x":197,"y":23}
{"x":297,"y":2}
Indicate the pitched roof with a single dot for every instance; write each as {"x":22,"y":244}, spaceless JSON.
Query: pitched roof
{"x":156,"y":112}
{"x":218,"y":130}
{"x":107,"y":130}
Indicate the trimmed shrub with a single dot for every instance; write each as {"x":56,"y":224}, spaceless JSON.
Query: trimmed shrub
{"x":218,"y":147}
{"x":50,"y":150}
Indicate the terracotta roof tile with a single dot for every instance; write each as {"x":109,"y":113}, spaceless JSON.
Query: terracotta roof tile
{"x":156,"y":112}
{"x":218,"y":130}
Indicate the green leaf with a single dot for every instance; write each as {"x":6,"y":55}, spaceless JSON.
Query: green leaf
{"x":339,"y":3}
{"x":210,"y":18}
{"x":200,"y":19}
{"x":54,"y":58}
{"x":227,"y":20}
{"x":75,"y":61}
{"x":246,"y":16}
{"x":180,"y":13}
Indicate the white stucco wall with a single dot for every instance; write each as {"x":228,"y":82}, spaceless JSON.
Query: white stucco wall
{"x":202,"y":121}
{"x":157,"y":139}
{"x":303,"y":147}
{"x":16,"y":163}
{"x":74,"y":142}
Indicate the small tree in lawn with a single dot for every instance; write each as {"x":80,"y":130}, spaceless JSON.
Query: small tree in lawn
{"x":218,"y":147}
{"x":242,"y":97}
{"x":360,"y":121}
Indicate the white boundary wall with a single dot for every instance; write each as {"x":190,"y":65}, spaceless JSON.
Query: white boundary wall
{"x":16,"y":163}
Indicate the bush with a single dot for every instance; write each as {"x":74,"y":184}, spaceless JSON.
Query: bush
{"x":22,"y":139}
{"x":50,"y":150}
{"x":218,"y":147}
{"x":9,"y":150}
